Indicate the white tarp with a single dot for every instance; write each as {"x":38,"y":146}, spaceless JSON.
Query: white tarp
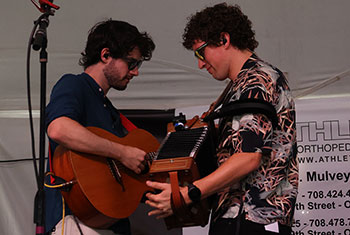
{"x":306,"y":39}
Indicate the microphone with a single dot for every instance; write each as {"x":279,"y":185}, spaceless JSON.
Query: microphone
{"x":40,"y":39}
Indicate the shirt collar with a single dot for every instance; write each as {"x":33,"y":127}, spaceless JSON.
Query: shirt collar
{"x":93,"y":84}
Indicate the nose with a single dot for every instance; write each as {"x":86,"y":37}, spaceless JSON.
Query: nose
{"x":201,"y":64}
{"x":134,"y":72}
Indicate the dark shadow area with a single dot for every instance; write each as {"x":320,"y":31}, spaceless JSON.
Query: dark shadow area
{"x":153,"y":121}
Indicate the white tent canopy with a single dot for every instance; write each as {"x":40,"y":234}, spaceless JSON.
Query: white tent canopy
{"x":308,"y":40}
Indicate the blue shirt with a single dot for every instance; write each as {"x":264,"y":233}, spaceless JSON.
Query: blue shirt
{"x":80,"y":98}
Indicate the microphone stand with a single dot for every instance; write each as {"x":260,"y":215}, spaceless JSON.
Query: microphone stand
{"x":40,"y":42}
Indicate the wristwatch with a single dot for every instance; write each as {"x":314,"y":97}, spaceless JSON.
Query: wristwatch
{"x":194,"y":193}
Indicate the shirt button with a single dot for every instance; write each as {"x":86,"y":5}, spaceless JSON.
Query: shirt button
{"x":99,"y":89}
{"x":105,"y":105}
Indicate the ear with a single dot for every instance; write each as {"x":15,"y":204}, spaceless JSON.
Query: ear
{"x":225,"y":39}
{"x":104,"y":55}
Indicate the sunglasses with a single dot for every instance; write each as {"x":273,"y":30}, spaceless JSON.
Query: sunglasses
{"x":199,"y":52}
{"x":133,"y":63}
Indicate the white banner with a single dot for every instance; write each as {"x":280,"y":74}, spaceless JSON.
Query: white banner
{"x":323,"y":132}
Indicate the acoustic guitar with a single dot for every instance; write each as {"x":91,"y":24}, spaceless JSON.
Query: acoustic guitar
{"x":102,"y":190}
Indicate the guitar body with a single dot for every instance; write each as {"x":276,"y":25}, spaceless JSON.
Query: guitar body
{"x":96,"y":197}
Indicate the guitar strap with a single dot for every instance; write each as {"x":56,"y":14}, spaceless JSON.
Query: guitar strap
{"x":178,"y":204}
{"x":129,"y":126}
{"x":239,"y":107}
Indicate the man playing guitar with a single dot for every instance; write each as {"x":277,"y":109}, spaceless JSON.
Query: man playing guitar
{"x":112,"y":57}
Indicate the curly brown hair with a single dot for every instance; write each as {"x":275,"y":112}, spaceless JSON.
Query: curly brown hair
{"x":119,"y":37}
{"x":208,"y":24}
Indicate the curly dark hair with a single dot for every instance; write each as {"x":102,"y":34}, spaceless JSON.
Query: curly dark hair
{"x":119,"y":37}
{"x":208,"y":24}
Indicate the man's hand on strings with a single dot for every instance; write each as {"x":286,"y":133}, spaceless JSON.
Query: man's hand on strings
{"x":133,"y":158}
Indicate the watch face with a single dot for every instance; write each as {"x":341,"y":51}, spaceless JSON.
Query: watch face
{"x":194,"y":193}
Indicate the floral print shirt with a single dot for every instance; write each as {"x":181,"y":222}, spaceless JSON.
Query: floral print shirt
{"x":268,"y":193}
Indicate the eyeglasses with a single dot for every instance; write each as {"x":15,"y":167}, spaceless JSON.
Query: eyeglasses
{"x":199,"y":52}
{"x":133,"y":63}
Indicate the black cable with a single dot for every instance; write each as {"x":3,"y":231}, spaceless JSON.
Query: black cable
{"x":77,"y":223}
{"x":31,"y":38}
{"x":19,"y":160}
